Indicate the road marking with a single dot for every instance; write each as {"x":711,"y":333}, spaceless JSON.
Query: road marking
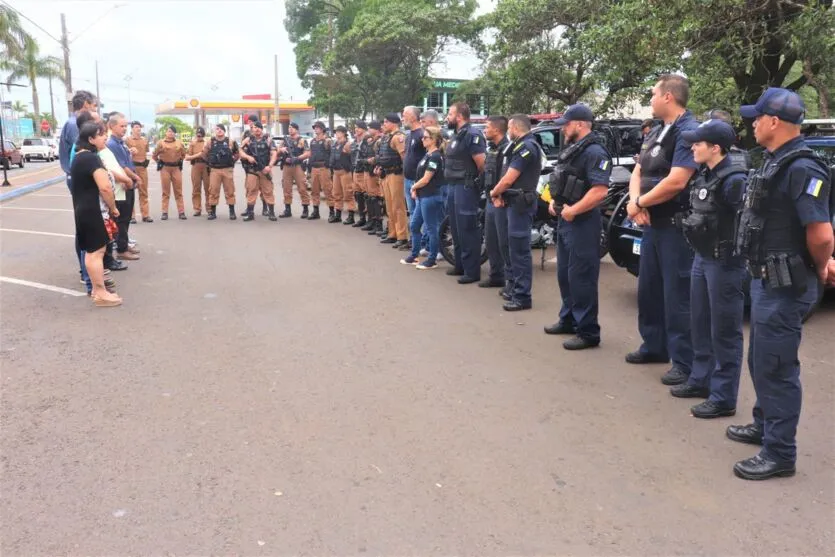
{"x":37,"y":232}
{"x":68,"y":196}
{"x":49,"y":287}
{"x":41,"y":171}
{"x":35,"y":209}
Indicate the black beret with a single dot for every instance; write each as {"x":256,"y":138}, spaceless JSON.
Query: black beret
{"x":375,"y":125}
{"x":319,"y":125}
{"x":172,"y":128}
{"x":294,"y":125}
{"x":342,"y":129}
{"x":221,"y":126}
{"x":258,"y":125}
{"x":393,"y":117}
{"x":361,"y":124}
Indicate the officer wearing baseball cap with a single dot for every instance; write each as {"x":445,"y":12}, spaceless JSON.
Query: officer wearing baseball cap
{"x":785,"y":233}
{"x":716,"y":297}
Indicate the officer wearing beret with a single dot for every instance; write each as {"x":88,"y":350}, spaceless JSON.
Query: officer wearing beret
{"x":169,"y":155}
{"x":374,"y":191}
{"x":717,"y":300}
{"x":465,"y":157}
{"x":516,"y":190}
{"x":320,"y":173}
{"x":199,"y":171}
{"x":785,"y":233}
{"x":659,"y":197}
{"x":578,"y":184}
{"x":390,"y":168}
{"x":292,"y":154}
{"x":358,"y":172}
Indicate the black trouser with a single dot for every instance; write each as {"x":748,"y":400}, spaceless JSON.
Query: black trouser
{"x":123,"y":222}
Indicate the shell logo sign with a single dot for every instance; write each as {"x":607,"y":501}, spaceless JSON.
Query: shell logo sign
{"x":236,"y":118}
{"x":194,"y":103}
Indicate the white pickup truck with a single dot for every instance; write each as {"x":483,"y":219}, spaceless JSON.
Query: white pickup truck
{"x":38,"y":148}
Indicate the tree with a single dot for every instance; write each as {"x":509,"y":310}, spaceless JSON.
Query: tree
{"x":19,"y":108}
{"x":12,"y":35}
{"x":32,"y":66}
{"x":164,"y":121}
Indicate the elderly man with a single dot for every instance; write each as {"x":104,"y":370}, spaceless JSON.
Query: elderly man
{"x":118,"y":126}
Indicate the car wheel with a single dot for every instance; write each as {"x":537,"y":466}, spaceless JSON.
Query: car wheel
{"x":21,"y":162}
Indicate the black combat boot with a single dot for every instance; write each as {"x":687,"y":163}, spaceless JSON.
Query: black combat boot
{"x":360,"y":199}
{"x":350,"y":220}
{"x":304,"y":212}
{"x":265,"y":209}
{"x":249,"y":214}
{"x":232,"y":212}
{"x":315,"y":215}
{"x":369,"y":224}
{"x":271,"y":212}
{"x":212,"y":212}
{"x":335,"y":216}
{"x":287,"y":212}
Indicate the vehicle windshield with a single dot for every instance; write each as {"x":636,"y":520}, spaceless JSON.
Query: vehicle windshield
{"x":33,"y":142}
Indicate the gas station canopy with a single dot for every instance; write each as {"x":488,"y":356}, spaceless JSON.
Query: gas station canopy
{"x":252,"y":104}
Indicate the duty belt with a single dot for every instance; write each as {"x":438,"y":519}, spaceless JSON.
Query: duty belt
{"x":393,"y":170}
{"x":668,"y":222}
{"x":171,"y":163}
{"x":318,"y":165}
{"x":143,"y":164}
{"x":197,"y":161}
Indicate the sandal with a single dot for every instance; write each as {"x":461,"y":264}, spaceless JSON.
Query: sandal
{"x":100,"y":302}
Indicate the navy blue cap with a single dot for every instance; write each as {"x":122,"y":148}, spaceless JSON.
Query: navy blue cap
{"x":716,"y":132}
{"x":576,"y":112}
{"x":782,"y":103}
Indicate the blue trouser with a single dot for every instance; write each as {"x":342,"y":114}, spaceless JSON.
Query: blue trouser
{"x":664,"y":295}
{"x":519,"y":222}
{"x":427,"y":214}
{"x":776,"y":317}
{"x":578,"y":272}
{"x":466,"y":235}
{"x":79,"y":253}
{"x":410,"y":207}
{"x":495,"y":236}
{"x":717,"y":303}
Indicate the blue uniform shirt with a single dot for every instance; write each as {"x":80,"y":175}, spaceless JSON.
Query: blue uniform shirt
{"x":120,"y":151}
{"x":683,"y":155}
{"x":596,"y":164}
{"x":526,"y":157}
{"x":805,"y":184}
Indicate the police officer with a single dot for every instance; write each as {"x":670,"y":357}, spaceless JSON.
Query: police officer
{"x":320,"y":172}
{"x":658,"y":200}
{"x":259,"y":156}
{"x":516,"y":190}
{"x":199,"y":171}
{"x":495,"y":218}
{"x":251,"y":120}
{"x":465,"y":156}
{"x":343,"y":189}
{"x":138,"y":146}
{"x":169,"y":154}
{"x":739,"y":157}
{"x":358,"y":172}
{"x":717,"y":300}
{"x":220,"y":154}
{"x":785,"y":233}
{"x":578,"y":184}
{"x":390,"y":168}
{"x":373,"y":190}
{"x":292,"y":154}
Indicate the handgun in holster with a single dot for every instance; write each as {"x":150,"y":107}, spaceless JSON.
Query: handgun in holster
{"x":160,"y":164}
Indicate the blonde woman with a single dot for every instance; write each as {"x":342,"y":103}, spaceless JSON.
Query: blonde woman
{"x":429,"y":203}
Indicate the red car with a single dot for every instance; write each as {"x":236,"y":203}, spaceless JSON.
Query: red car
{"x":10,"y":155}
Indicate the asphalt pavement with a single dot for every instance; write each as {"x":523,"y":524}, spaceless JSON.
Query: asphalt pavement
{"x":290,"y":389}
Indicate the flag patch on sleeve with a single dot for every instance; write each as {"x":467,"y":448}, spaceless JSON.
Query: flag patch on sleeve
{"x":525,"y":153}
{"x":814,"y":187}
{"x":604,"y":164}
{"x":433,"y":165}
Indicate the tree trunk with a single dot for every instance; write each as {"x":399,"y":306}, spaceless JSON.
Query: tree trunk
{"x":52,"y":102}
{"x":35,"y":102}
{"x":819,"y":86}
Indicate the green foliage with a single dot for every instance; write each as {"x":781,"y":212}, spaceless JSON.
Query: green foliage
{"x":30,"y":65}
{"x":12,"y":35}
{"x":163,"y":122}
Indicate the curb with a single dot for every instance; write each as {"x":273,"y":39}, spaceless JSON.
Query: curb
{"x":23,"y":190}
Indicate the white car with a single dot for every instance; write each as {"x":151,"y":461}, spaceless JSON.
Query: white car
{"x":38,"y":148}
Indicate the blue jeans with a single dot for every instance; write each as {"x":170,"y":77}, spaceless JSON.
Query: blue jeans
{"x":410,"y":206}
{"x":427,"y":214}
{"x":80,"y":254}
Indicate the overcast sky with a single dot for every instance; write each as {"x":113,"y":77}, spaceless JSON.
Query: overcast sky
{"x":176,"y":49}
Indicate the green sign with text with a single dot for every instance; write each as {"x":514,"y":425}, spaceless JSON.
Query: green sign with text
{"x":446,"y":83}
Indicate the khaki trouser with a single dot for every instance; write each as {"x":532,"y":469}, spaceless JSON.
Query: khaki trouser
{"x":219,"y":176}
{"x":396,"y":206}
{"x":290,"y":174}
{"x":359,"y":181}
{"x":259,"y":183}
{"x":199,"y":175}
{"x":320,"y":179}
{"x":372,"y":185}
{"x":142,"y":172}
{"x":172,"y":176}
{"x":343,"y":191}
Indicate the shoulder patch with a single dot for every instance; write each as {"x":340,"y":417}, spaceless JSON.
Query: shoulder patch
{"x":524,"y":152}
{"x":604,"y":164}
{"x":433,"y":165}
{"x":814,"y":187}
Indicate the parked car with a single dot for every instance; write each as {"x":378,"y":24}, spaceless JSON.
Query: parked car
{"x":10,"y":155}
{"x":38,"y":148}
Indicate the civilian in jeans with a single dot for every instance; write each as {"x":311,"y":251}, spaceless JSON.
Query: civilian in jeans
{"x":118,"y":128}
{"x":430,"y":119}
{"x":413,"y":155}
{"x":426,"y":192}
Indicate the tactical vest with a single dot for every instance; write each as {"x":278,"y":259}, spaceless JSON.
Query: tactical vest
{"x":460,"y":167}
{"x":767,"y":225}
{"x":710,"y":225}
{"x":320,"y":153}
{"x":529,"y":179}
{"x":366,"y":151}
{"x":220,"y":153}
{"x":656,"y":163}
{"x":259,"y":149}
{"x":493,"y":163}
{"x":355,"y":155}
{"x":293,"y":146}
{"x":568,"y":182}
{"x":388,"y":157}
{"x":340,"y":160}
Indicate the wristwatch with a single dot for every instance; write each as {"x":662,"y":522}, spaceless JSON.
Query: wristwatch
{"x":638,"y":202}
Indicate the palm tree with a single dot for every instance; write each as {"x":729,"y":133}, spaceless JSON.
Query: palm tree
{"x":12,"y":35}
{"x":32,"y":66}
{"x":19,"y":108}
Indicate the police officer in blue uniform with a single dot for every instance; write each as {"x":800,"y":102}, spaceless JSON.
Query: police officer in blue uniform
{"x":516,"y":190}
{"x":495,"y":218}
{"x":717,"y":300}
{"x":785,"y":234}
{"x":658,"y":193}
{"x":464,"y":161}
{"x":578,"y":184}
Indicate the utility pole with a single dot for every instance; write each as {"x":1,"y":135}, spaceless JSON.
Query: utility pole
{"x":329,"y":77}
{"x":277,"y":126}
{"x":65,"y":43}
{"x":52,"y":107}
{"x":98,"y":96}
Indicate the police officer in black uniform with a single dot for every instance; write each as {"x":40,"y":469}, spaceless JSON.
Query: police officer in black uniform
{"x":464,"y":161}
{"x":495,"y":218}
{"x":358,"y":170}
{"x":658,"y":201}
{"x":578,"y":184}
{"x":785,"y":233}
{"x":516,"y":190}
{"x":716,"y":297}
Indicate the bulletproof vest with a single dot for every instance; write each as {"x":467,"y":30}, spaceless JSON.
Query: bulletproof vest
{"x":568,"y":182}
{"x":740,"y":157}
{"x":388,"y":157}
{"x":340,"y":160}
{"x":460,"y":167}
{"x":293,"y":146}
{"x":710,"y":225}
{"x":656,"y":163}
{"x":529,"y":179}
{"x":320,"y":152}
{"x":355,"y":155}
{"x":366,"y":151}
{"x":220,"y":153}
{"x":767,"y":226}
{"x":493,"y":162}
{"x":260,"y":150}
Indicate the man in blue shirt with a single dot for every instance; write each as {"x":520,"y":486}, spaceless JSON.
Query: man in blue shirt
{"x":415,"y":152}
{"x":116,"y":143}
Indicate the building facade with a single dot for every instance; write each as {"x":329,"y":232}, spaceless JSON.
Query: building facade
{"x":442,"y":95}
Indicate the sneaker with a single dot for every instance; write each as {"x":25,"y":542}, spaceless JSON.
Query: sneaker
{"x":426,"y":265}
{"x":411,"y":260}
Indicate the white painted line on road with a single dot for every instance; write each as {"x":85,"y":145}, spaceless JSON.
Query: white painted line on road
{"x":51,"y":195}
{"x":37,"y":232}
{"x":35,"y":209}
{"x":49,"y":287}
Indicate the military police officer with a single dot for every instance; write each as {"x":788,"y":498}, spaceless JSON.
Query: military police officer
{"x":259,"y":155}
{"x":465,"y":157}
{"x":517,"y":191}
{"x":658,"y":199}
{"x":320,"y":173}
{"x":138,"y":146}
{"x":169,"y":154}
{"x":495,"y":218}
{"x":199,"y":171}
{"x":292,"y":155}
{"x":358,"y":172}
{"x":578,"y":184}
{"x":390,"y":163}
{"x":221,"y":153}
{"x":785,"y":233}
{"x":373,"y":190}
{"x":343,"y":189}
{"x":716,"y":297}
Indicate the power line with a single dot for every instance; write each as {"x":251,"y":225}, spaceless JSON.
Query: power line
{"x":18,"y":12}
